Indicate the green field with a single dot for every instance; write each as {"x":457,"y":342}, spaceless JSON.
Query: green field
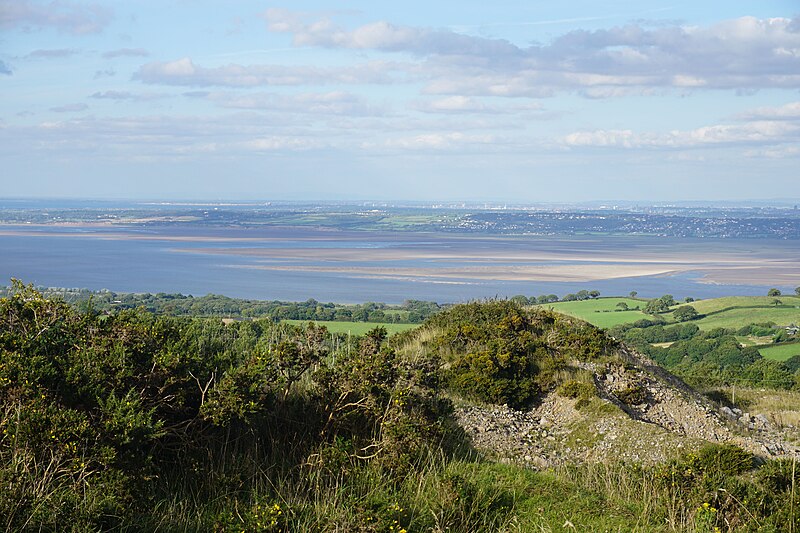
{"x":780,"y":352}
{"x":729,"y":312}
{"x":738,"y":311}
{"x":736,"y":318}
{"x":602,"y":312}
{"x":355,"y":328}
{"x":712,"y":305}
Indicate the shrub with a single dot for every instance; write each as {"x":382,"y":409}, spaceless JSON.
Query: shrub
{"x":633,"y":395}
{"x":724,"y":460}
{"x":577,"y":389}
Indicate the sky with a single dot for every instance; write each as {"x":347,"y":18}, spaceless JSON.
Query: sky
{"x":513,"y":101}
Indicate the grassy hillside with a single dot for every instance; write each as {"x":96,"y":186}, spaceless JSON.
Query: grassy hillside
{"x":601,"y":312}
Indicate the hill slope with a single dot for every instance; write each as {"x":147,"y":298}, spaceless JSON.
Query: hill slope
{"x":597,"y":400}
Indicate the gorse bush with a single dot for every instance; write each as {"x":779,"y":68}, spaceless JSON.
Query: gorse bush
{"x":496,"y":352}
{"x":102,"y":406}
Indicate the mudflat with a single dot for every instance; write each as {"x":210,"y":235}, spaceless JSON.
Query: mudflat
{"x":445,"y":257}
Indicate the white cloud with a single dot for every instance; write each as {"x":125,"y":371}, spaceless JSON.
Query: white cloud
{"x":744,"y":53}
{"x":60,"y":14}
{"x":185,"y":72}
{"x":126,"y":95}
{"x":459,"y":104}
{"x":453,"y":104}
{"x":435,"y":141}
{"x":163,"y":136}
{"x":52,"y":53}
{"x":270,"y":144}
{"x":382,"y":35}
{"x":70,"y":108}
{"x":329,"y":103}
{"x":777,"y":152}
{"x":750,"y":134}
{"x":790,"y":111}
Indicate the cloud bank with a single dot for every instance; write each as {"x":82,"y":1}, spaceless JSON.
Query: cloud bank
{"x":62,"y":15}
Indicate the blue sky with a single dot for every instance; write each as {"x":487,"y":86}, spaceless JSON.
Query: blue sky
{"x":490,"y":101}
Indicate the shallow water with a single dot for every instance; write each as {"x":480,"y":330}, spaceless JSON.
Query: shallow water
{"x":200,"y":260}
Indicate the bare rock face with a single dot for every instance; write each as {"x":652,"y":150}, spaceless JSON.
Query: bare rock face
{"x":642,"y":413}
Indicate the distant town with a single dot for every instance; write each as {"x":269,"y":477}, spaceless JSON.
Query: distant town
{"x":669,"y":221}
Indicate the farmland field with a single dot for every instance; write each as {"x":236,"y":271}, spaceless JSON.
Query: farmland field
{"x":780,"y":352}
{"x":729,"y":312}
{"x":355,"y":328}
{"x":736,"y":318}
{"x":705,"y":307}
{"x":601,"y":312}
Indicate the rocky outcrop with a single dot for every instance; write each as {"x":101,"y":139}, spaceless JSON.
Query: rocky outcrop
{"x":642,"y":413}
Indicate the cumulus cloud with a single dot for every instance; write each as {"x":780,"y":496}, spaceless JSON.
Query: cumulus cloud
{"x":383,"y":36}
{"x":185,"y":72}
{"x":69,"y":108}
{"x":744,"y":53}
{"x":126,"y":52}
{"x":60,"y":14}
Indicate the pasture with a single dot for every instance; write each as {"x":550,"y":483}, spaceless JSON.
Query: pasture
{"x":601,"y":312}
{"x":780,"y":352}
{"x":355,"y":328}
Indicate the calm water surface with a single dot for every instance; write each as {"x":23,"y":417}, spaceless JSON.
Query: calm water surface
{"x":169,"y":259}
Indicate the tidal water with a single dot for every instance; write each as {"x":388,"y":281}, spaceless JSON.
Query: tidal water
{"x":203,"y":260}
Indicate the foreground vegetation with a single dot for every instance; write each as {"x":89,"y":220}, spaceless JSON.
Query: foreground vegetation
{"x":132,"y":421}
